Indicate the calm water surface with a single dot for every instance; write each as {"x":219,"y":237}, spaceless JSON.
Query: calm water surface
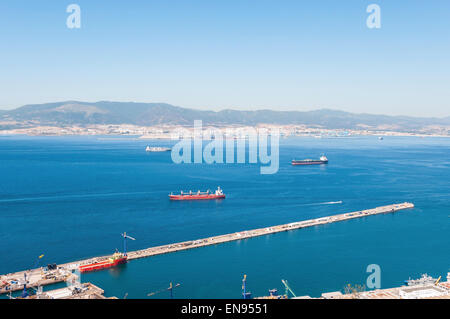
{"x":71,"y":197}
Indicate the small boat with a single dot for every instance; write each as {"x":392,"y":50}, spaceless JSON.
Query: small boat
{"x":218,"y":194}
{"x":323,"y":160}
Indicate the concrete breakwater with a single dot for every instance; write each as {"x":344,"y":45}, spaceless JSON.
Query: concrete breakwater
{"x":264,"y":231}
{"x":39,"y":277}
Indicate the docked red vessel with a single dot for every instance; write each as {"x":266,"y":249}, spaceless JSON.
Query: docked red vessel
{"x":116,"y":259}
{"x":218,"y":194}
{"x":322,"y":160}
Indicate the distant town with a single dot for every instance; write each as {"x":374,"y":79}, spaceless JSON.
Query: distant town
{"x":169,"y":131}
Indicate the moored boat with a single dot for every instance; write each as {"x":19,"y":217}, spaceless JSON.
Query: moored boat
{"x":425,"y":279}
{"x":116,"y":259}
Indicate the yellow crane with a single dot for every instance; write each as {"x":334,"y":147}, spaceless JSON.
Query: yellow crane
{"x":438,"y":280}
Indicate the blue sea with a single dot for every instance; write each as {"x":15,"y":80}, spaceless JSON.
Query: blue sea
{"x":70,"y":198}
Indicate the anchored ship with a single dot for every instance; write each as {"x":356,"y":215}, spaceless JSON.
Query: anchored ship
{"x":157,"y":149}
{"x":218,"y":194}
{"x":116,"y":259}
{"x":322,"y":160}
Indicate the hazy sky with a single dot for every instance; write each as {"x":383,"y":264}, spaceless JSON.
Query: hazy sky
{"x":242,"y":54}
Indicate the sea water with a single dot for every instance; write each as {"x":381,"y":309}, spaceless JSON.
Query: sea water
{"x":70,"y":198}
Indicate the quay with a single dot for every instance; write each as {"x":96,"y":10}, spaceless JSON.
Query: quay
{"x":34,"y":278}
{"x":438,"y":290}
{"x":39,"y":277}
{"x":79,"y":291}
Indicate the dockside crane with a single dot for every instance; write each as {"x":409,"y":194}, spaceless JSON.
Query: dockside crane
{"x":288,"y":289}
{"x":170,"y":289}
{"x":37,"y":261}
{"x":245,"y":294}
{"x":25,"y":293}
{"x":438,"y":280}
{"x":125,"y":237}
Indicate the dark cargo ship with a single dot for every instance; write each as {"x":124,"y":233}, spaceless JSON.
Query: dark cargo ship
{"x":322,"y":160}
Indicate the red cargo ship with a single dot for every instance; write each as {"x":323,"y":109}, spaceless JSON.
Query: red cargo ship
{"x":218,"y":194}
{"x":322,"y":160}
{"x":116,"y":259}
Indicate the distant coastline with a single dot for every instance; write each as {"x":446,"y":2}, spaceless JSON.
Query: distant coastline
{"x":168,"y":132}
{"x":159,"y":120}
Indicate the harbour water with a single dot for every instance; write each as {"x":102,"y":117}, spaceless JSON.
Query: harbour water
{"x":70,"y":198}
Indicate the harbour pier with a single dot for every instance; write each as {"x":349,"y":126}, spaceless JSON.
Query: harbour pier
{"x":38,"y":277}
{"x":264,"y":231}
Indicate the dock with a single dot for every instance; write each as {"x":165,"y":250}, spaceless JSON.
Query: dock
{"x":37,"y":277}
{"x":438,"y":290}
{"x":79,"y":291}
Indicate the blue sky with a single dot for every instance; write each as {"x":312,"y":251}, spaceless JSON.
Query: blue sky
{"x":242,"y":54}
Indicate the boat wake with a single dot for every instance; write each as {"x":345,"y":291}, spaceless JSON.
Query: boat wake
{"x":324,"y":203}
{"x":63,"y":197}
{"x":330,"y":203}
{"x":311,"y":204}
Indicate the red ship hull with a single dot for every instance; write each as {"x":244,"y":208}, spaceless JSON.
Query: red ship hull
{"x":196,"y":197}
{"x":103,"y":264}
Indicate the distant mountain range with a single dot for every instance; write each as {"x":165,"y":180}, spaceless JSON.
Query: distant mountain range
{"x":149,"y":114}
